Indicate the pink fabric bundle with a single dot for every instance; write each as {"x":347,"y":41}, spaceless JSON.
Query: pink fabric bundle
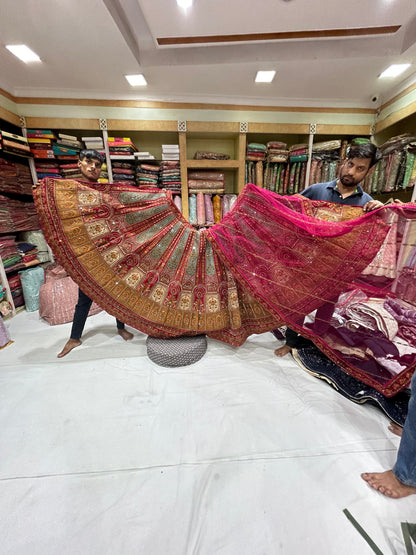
{"x":4,"y":335}
{"x":200,"y":209}
{"x":58,"y":297}
{"x":209,"y":210}
{"x":178,"y":202}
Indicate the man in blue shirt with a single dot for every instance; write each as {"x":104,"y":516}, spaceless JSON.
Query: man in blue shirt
{"x":344,"y":190}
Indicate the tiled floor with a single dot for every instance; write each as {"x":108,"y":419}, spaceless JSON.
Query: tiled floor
{"x":103,"y":452}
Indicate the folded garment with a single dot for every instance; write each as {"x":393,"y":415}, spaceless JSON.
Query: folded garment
{"x":205,"y":184}
{"x":208,"y":175}
{"x":204,"y":155}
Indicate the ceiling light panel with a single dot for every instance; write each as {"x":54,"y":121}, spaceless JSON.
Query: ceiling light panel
{"x":137,"y":80}
{"x":394,"y":70}
{"x":265,"y":76}
{"x":23,"y":52}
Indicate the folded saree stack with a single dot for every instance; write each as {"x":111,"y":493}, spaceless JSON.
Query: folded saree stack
{"x":397,"y":168}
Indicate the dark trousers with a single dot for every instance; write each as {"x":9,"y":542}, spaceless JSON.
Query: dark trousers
{"x":80,"y":315}
{"x":295,"y":341}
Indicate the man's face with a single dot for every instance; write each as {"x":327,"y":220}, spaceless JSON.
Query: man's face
{"x":90,"y":168}
{"x":353,"y":171}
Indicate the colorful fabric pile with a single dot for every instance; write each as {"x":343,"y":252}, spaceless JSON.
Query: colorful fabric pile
{"x":205,"y":155}
{"x":36,"y":238}
{"x":276,"y":177}
{"x":147,"y":175}
{"x":29,"y":253}
{"x":170,"y":175}
{"x":10,"y":143}
{"x":397,"y":169}
{"x":206,"y":181}
{"x":256,"y":152}
{"x":17,"y":216}
{"x":124,"y":172}
{"x":16,"y":290}
{"x":15,"y":177}
{"x":10,"y":254}
{"x":327,"y":158}
{"x":121,"y":148}
{"x":277,"y":152}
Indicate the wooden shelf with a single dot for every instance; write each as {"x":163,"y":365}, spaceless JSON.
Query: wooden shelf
{"x":214,"y":164}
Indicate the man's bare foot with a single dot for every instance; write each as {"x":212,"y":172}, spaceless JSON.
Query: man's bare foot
{"x":396,"y":429}
{"x":69,"y":345}
{"x":126,"y":335}
{"x":387,"y":484}
{"x":282,"y":351}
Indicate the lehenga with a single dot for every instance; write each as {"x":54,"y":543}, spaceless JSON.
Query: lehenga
{"x":271,"y":261}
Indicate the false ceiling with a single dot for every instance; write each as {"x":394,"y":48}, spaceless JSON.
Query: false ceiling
{"x":326,"y":53}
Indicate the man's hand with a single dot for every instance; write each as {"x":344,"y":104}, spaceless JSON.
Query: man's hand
{"x":372,"y":205}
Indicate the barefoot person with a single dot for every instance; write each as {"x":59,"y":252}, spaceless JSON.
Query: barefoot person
{"x":90,"y":162}
{"x":345,"y":190}
{"x":401,"y":480}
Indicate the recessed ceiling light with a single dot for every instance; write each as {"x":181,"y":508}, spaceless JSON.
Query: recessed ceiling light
{"x":136,"y":80}
{"x":184,"y":3}
{"x":394,"y":70}
{"x":23,"y":52}
{"x":265,"y":76}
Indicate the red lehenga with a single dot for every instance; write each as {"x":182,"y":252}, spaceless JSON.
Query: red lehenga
{"x":271,"y":261}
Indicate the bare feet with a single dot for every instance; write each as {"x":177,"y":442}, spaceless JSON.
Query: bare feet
{"x":126,"y":335}
{"x":69,"y":345}
{"x":396,"y":429}
{"x":282,"y":351}
{"x":387,"y":484}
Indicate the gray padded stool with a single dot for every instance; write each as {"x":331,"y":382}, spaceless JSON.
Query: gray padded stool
{"x":178,"y":351}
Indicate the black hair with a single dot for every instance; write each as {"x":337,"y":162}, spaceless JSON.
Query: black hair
{"x":90,"y":154}
{"x":366,"y":150}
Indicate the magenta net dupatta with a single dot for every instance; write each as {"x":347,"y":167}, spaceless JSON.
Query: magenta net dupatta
{"x":341,"y":278}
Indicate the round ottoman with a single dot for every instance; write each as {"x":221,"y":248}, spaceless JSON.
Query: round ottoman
{"x":178,"y":351}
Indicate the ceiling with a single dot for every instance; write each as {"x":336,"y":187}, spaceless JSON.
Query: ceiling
{"x":87,"y":46}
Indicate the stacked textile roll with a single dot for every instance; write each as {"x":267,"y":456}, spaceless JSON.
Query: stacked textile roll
{"x":17,"y":216}
{"x":204,"y":210}
{"x":170,"y":152}
{"x":275,"y":177}
{"x":256,"y":152}
{"x":327,"y":157}
{"x":104,"y":174}
{"x":66,"y":150}
{"x":15,"y":177}
{"x":40,"y":141}
{"x":206,"y":181}
{"x":122,"y":151}
{"x":121,"y":148}
{"x":205,"y":155}
{"x":69,"y":169}
{"x":28,"y":252}
{"x":147,"y":176}
{"x":9,"y":253}
{"x":11,"y":143}
{"x":124,"y":172}
{"x":94,"y":143}
{"x":397,"y":168}
{"x":37,"y":238}
{"x":170,"y":175}
{"x":16,"y":290}
{"x":277,"y":152}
